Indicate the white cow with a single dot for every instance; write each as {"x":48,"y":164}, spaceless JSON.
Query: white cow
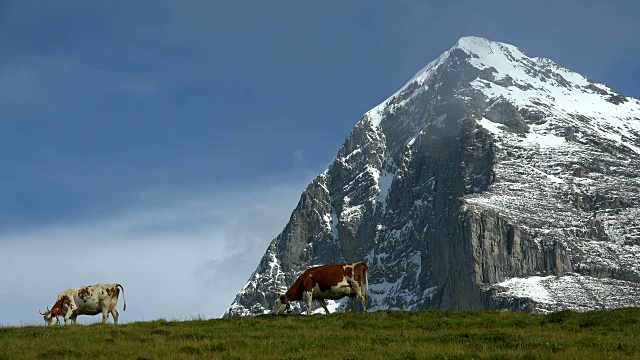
{"x":86,"y":300}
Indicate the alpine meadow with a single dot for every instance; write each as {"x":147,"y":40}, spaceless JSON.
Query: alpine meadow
{"x":426,"y":334}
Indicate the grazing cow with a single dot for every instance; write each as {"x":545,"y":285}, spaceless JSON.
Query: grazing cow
{"x":331,"y":282}
{"x":86,"y":300}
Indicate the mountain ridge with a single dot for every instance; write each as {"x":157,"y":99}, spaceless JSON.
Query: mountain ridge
{"x":428,"y":188}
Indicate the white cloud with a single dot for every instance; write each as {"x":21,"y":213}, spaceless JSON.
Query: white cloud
{"x":177,"y":255}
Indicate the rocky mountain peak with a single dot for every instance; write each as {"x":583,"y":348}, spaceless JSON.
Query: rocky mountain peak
{"x":489,"y":180}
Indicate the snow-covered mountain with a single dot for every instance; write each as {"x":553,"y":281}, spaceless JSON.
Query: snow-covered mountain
{"x":490,"y":180}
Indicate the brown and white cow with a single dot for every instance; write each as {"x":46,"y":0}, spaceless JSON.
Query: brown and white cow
{"x":331,"y":282}
{"x":86,"y":300}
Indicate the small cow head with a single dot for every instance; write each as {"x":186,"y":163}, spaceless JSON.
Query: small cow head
{"x":281,"y":305}
{"x":50,"y":318}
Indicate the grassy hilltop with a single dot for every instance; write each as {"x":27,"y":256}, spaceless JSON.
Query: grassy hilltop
{"x":432,"y":334}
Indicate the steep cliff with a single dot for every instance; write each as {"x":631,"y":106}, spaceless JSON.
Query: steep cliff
{"x":490,"y":180}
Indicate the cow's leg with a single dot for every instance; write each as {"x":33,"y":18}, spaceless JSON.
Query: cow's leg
{"x":307,"y":297}
{"x":73,"y":320}
{"x":353,"y":303}
{"x":324,"y":305}
{"x":105,"y":314}
{"x":363,"y":300}
{"x":358,"y":290}
{"x":69,"y":315}
{"x":115,"y":314}
{"x":361,"y":295}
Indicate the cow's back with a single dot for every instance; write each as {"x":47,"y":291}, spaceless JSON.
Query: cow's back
{"x":90,"y":299}
{"x":325,"y":277}
{"x":70,"y":293}
{"x":106,"y":291}
{"x":86,"y":300}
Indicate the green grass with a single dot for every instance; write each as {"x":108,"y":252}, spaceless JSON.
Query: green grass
{"x":432,"y":334}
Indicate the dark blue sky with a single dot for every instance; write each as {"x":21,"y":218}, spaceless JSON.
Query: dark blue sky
{"x":111,"y":110}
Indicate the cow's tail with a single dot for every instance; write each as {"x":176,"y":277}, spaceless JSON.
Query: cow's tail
{"x":123,"y":299}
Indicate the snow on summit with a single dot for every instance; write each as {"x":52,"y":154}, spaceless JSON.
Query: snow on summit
{"x":531,"y":83}
{"x":494,"y":52}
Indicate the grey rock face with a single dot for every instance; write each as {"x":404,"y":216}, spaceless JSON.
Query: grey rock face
{"x":503,"y":112}
{"x":491,"y":180}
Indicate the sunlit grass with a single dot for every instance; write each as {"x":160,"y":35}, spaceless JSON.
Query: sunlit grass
{"x":431,"y":334}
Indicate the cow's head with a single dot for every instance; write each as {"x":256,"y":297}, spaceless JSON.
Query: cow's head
{"x":50,"y":318}
{"x":281,"y":305}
